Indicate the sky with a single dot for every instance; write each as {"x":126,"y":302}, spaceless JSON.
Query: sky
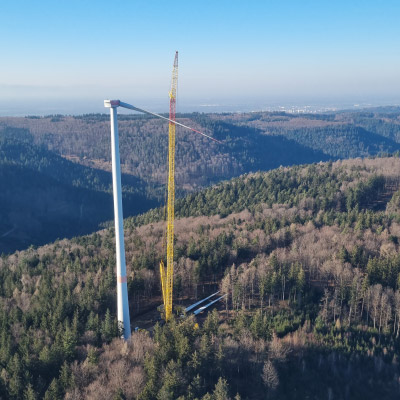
{"x":67,"y":56}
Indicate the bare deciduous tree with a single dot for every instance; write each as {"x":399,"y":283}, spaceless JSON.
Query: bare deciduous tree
{"x":270,"y":375}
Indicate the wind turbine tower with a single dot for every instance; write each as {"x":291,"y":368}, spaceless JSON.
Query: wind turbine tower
{"x":122,"y":287}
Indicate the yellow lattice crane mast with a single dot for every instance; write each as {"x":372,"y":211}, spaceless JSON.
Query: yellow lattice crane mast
{"x":167,"y":276}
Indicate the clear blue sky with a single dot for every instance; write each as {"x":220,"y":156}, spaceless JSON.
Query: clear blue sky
{"x":80,"y":52}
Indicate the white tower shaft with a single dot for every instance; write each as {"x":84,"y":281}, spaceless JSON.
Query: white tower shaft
{"x":122,"y":288}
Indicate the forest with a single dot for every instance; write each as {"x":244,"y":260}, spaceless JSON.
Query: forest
{"x":44,"y":196}
{"x":308,"y":257}
{"x":55,"y":170}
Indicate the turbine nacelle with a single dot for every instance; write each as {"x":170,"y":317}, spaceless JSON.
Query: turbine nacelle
{"x":111,"y":103}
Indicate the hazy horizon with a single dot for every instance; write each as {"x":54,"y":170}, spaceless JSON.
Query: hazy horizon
{"x":43,"y":107}
{"x":67,"y":57}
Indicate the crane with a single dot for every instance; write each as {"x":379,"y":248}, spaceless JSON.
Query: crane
{"x":166,"y":277}
{"x":167,"y":274}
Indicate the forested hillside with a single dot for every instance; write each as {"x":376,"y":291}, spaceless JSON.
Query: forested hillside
{"x":308,"y":256}
{"x":251,"y":141}
{"x":53,"y":168}
{"x":340,"y":135}
{"x":43,"y":196}
{"x":144,"y":145}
